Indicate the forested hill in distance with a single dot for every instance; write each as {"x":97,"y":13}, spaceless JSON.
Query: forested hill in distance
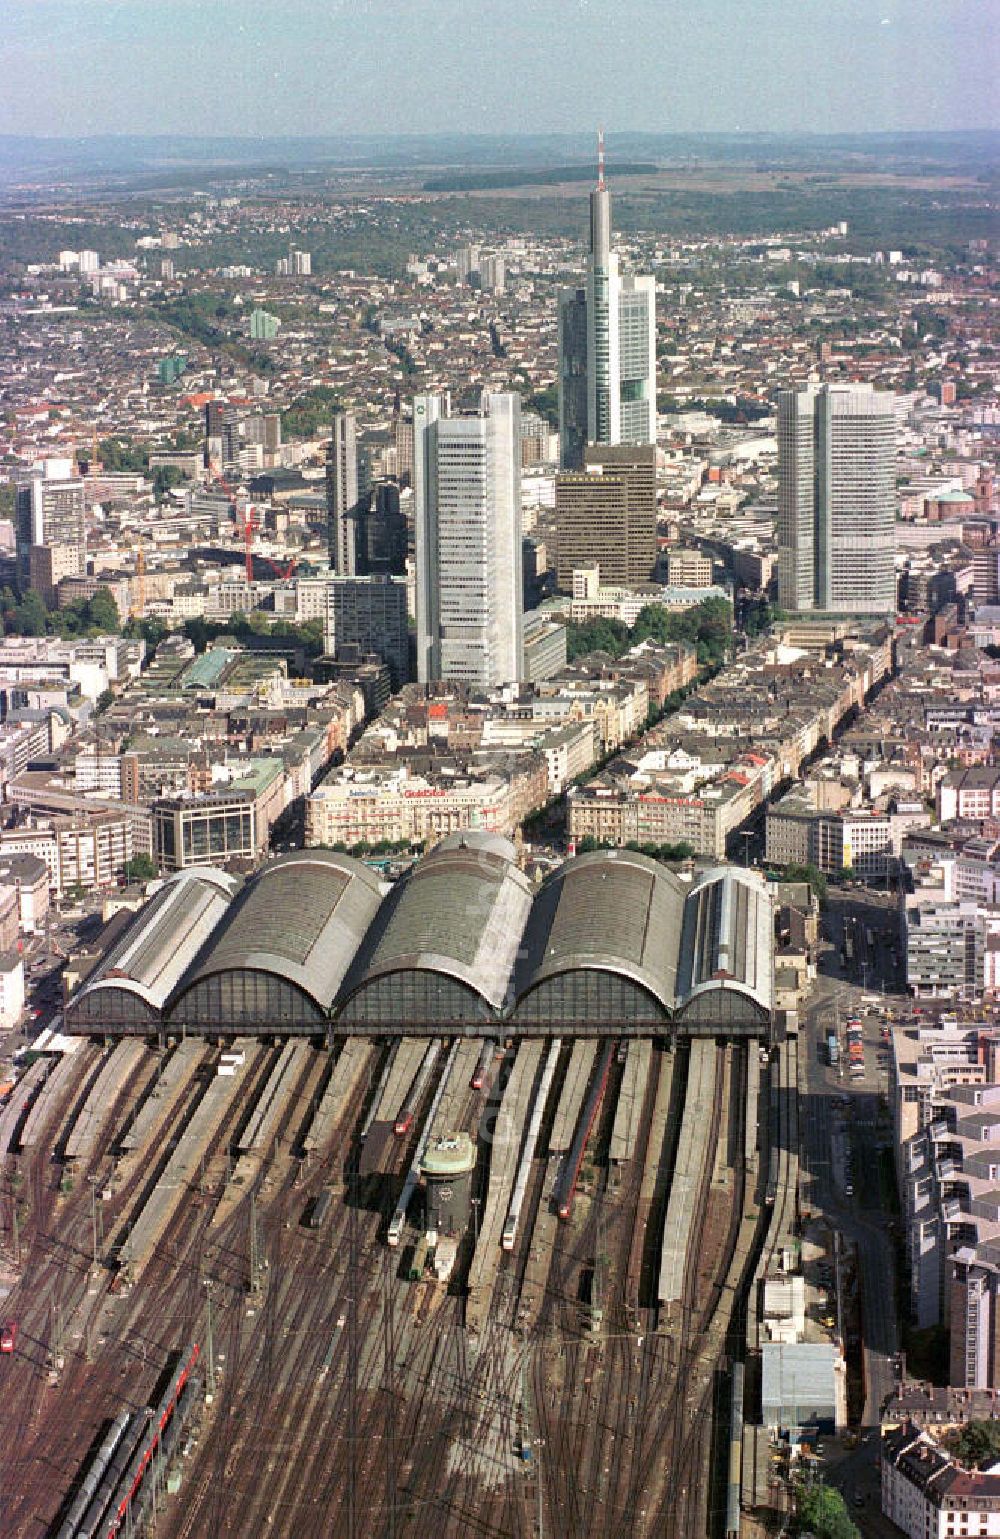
{"x":66,"y":159}
{"x":487,"y":181}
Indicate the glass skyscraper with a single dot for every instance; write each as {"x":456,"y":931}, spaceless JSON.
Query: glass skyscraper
{"x":467,"y":484}
{"x":607,"y":347}
{"x":836,"y":500}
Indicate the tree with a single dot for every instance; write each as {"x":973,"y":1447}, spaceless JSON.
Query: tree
{"x":152,"y":632}
{"x":822,"y":1512}
{"x":104,"y":616}
{"x":164,"y":477}
{"x":30,"y":615}
{"x":309,"y":415}
{"x":811,"y":874}
{"x":759,"y":617}
{"x":546,"y":404}
{"x":117,"y":454}
{"x":977,"y":1443}
{"x":8,"y":604}
{"x":596,"y":636}
{"x":141,"y":868}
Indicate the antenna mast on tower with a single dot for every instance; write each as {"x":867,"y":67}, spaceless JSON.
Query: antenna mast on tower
{"x":600,"y":160}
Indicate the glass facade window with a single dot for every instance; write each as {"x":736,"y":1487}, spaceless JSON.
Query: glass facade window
{"x":199,"y":832}
{"x":415,"y":997}
{"x":246,"y":1000}
{"x":590,"y":995}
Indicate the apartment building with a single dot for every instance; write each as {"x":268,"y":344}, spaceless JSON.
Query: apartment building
{"x":928,"y":1495}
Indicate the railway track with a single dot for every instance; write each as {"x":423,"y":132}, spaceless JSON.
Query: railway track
{"x":395,"y":1423}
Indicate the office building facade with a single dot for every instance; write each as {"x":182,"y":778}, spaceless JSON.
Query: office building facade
{"x":49,"y":510}
{"x":606,"y":515}
{"x":836,"y":500}
{"x":467,"y":481}
{"x":382,"y":533}
{"x":342,"y":494}
{"x":369,"y":614}
{"x":607,"y":347}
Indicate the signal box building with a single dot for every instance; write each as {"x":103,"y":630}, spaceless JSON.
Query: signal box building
{"x":447,"y":1168}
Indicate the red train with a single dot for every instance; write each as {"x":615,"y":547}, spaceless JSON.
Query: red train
{"x":482,"y":1067}
{"x":403,"y":1124}
{"x":114,"y":1519}
{"x":8,"y":1336}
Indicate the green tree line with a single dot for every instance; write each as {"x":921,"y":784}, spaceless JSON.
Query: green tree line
{"x":708,"y":625}
{"x":246,"y":629}
{"x":29,"y":616}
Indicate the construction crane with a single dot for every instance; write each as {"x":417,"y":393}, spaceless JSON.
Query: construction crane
{"x":230,"y":491}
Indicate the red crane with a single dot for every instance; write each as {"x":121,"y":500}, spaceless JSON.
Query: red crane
{"x":248,"y":529}
{"x":246,"y":523}
{"x":245,"y":527}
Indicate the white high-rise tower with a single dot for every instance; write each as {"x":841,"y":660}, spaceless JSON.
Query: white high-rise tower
{"x":467,"y":485}
{"x":836,"y":500}
{"x":607,"y":346}
{"x":342,"y":494}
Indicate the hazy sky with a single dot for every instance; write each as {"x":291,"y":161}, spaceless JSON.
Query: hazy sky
{"x":323,"y":66}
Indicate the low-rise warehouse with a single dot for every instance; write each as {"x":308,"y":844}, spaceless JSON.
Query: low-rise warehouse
{"x":611,"y":942}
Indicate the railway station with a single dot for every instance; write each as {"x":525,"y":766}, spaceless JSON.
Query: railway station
{"x":314,"y":945}
{"x":310,"y":1115}
{"x":316,"y":1200}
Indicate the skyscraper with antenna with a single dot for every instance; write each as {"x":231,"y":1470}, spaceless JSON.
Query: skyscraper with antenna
{"x":607,"y":346}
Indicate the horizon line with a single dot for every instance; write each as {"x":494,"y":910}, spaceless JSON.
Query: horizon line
{"x":536,"y":133}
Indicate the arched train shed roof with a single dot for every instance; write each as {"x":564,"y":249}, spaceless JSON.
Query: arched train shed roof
{"x":284,"y":948}
{"x":456,"y":920}
{"x":727,"y":956}
{"x":613,"y":912}
{"x":133,"y":982}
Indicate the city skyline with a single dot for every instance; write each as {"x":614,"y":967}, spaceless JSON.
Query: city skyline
{"x":74,"y":66}
{"x":500,"y":770}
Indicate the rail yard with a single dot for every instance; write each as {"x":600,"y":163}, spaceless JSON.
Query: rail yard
{"x":268,"y":1259}
{"x":564,"y":1366}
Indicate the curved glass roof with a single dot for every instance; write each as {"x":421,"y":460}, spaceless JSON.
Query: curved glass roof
{"x":727,"y":944}
{"x":301,"y":919}
{"x":612,"y":910}
{"x":460,"y":912}
{"x":162,"y":941}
